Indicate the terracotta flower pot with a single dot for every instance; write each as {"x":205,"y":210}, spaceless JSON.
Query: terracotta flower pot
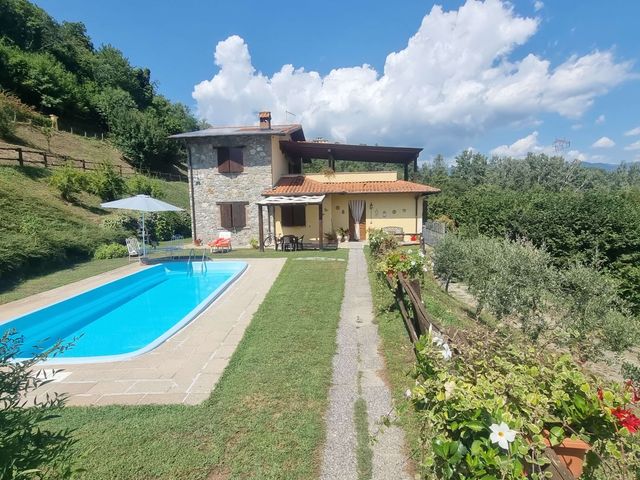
{"x":572,"y":453}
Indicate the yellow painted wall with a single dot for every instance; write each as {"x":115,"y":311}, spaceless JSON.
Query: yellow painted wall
{"x":353,"y":177}
{"x":279,"y":164}
{"x":389,"y":210}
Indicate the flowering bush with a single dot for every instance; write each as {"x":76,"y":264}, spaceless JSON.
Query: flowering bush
{"x":410,"y":262}
{"x":380,"y":242}
{"x":488,"y":415}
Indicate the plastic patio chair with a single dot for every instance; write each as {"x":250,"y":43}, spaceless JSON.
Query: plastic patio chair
{"x":133,"y":247}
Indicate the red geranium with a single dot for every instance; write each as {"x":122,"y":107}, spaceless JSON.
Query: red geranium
{"x":627,"y":419}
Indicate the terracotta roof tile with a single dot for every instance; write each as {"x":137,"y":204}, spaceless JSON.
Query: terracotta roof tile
{"x":301,"y":185}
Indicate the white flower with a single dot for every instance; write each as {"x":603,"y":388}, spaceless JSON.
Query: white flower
{"x":449,"y":388}
{"x":413,"y":263}
{"x":437,"y":339}
{"x":420,"y":253}
{"x":446,"y":351}
{"x":502,"y":435}
{"x":407,"y":394}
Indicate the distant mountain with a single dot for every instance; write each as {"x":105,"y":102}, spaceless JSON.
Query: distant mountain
{"x":607,"y":167}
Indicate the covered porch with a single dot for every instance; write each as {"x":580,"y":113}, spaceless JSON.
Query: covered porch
{"x":293,"y":203}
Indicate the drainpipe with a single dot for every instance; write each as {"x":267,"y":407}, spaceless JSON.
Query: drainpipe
{"x":191,"y":195}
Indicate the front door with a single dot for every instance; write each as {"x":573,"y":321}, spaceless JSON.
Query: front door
{"x":363,"y":225}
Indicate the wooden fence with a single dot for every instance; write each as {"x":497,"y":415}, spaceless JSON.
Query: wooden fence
{"x":418,"y":322}
{"x":25,"y":156}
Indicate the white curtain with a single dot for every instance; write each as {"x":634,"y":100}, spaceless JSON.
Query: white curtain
{"x":357,"y":208}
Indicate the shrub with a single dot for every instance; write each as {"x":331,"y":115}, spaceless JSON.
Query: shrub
{"x":448,"y":256}
{"x":164,"y":225}
{"x":592,"y":313}
{"x":111,"y":250}
{"x":381,"y":241}
{"x":106,"y":183}
{"x":409,"y":262}
{"x":7,"y":127}
{"x":68,"y":181}
{"x":578,"y":308}
{"x":460,"y":397}
{"x":29,"y":449}
{"x":141,"y":185}
{"x":122,"y":222}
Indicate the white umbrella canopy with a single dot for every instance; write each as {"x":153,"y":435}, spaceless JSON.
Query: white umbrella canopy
{"x":142,"y":203}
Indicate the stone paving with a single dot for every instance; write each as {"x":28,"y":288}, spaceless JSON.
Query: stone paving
{"x":358,"y":370}
{"x":183,"y":369}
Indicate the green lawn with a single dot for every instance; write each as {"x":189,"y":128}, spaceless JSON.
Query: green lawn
{"x":78,"y":271}
{"x":264,"y":420}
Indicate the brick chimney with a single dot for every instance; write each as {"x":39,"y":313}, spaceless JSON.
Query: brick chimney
{"x":265,"y":120}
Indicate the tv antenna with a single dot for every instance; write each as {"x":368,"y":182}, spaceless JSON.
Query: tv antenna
{"x":561,"y":145}
{"x":286,"y":115}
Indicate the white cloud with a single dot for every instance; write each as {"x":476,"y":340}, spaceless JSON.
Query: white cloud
{"x":600,"y":120}
{"x":632,"y":132}
{"x":452,"y":82}
{"x":521,"y":147}
{"x":633,"y":146}
{"x":575,"y":155}
{"x":576,"y":126}
{"x":538,"y":5}
{"x":529,"y":144}
{"x":604,"y":142}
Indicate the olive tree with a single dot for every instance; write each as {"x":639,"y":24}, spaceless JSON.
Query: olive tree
{"x":28,"y":447}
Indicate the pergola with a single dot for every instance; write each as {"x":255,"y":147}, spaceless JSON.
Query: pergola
{"x":289,"y":200}
{"x":360,"y":153}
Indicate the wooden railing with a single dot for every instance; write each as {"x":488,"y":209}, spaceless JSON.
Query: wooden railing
{"x":418,"y":322}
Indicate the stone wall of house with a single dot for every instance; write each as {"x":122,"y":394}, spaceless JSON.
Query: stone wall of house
{"x":210,"y":187}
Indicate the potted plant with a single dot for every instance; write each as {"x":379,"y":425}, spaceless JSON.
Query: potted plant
{"x":331,"y":237}
{"x":343,"y":232}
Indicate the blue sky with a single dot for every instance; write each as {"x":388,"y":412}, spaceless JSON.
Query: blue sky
{"x":497,"y":77}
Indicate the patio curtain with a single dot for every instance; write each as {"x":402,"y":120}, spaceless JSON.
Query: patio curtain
{"x":357,"y":208}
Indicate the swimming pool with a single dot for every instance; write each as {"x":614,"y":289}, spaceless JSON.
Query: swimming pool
{"x":128,"y":316}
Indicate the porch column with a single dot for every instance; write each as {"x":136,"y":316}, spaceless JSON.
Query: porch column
{"x":320,"y":229}
{"x":260,"y":228}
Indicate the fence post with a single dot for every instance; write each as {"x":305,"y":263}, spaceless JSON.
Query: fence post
{"x":20,"y":159}
{"x":84,"y":165}
{"x":72,"y":130}
{"x":44,"y":157}
{"x":120,"y":167}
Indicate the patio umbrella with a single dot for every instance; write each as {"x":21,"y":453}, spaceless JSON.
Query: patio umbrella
{"x":142,"y":203}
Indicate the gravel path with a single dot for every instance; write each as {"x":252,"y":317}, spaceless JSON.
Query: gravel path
{"x":357,"y":369}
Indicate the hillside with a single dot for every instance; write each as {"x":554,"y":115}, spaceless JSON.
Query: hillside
{"x":39,"y":232}
{"x":66,"y":144}
{"x":54,"y":68}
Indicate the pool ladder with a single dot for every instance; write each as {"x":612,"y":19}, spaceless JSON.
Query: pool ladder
{"x":192,"y":256}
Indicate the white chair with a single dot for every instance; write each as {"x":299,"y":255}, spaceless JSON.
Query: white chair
{"x":133,"y":246}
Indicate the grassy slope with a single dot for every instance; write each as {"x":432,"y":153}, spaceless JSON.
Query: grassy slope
{"x":397,"y":348}
{"x":265,"y":418}
{"x":63,"y":143}
{"x":40,"y":233}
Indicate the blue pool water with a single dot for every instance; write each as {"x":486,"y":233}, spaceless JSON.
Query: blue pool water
{"x":128,"y":316}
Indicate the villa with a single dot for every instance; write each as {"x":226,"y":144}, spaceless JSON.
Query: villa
{"x":250,"y":180}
